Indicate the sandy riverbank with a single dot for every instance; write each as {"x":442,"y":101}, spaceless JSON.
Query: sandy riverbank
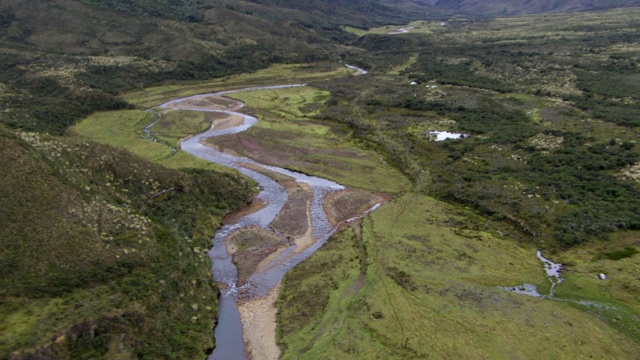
{"x":258,"y":318}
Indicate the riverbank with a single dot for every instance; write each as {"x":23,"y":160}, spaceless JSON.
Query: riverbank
{"x":243,"y":239}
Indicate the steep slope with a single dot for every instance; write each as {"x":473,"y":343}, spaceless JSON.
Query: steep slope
{"x":104,"y":252}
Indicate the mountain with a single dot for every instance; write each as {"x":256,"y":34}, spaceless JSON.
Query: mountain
{"x":520,"y":7}
{"x":61,"y":60}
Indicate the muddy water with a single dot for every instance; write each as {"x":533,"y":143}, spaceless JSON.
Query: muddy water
{"x":228,"y":333}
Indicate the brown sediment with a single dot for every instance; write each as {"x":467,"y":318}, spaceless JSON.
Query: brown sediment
{"x":294,"y":219}
{"x":211,"y":102}
{"x":350,"y":202}
{"x":258,"y":317}
{"x":282,"y":153}
{"x":225,"y":122}
{"x":250,"y":246}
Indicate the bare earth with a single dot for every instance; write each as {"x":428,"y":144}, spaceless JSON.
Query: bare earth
{"x":258,"y":318}
{"x":227,"y":121}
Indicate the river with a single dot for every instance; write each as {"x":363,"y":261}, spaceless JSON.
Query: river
{"x":230,"y":343}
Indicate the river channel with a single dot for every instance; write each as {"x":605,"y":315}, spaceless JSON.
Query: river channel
{"x":230,"y":343}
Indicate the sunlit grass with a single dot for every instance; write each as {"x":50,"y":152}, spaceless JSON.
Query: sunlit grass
{"x":274,"y":75}
{"x":430,"y":292}
{"x":286,"y":126}
{"x":123,"y":129}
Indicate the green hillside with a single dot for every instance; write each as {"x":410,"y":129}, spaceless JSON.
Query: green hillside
{"x":102,"y":250}
{"x":519,"y":7}
{"x":62,"y":60}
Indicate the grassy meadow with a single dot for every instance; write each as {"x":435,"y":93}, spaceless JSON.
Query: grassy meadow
{"x":552,"y":128}
{"x":289,"y":127}
{"x":279,"y":74}
{"x":418,"y":279}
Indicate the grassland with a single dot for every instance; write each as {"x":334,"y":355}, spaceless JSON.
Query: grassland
{"x":551,"y":134}
{"x":550,"y":103}
{"x":124,"y":128}
{"x":273,"y":75}
{"x":297,"y":139}
{"x":418,"y":280}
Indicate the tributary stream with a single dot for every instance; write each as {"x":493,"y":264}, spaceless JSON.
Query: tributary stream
{"x":229,"y":331}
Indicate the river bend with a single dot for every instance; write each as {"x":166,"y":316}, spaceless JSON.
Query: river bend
{"x":229,"y":331}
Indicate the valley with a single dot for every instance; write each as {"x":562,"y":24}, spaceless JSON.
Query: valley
{"x":106,"y":243}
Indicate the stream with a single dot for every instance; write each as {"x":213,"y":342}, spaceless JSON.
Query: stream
{"x":229,"y":332}
{"x":553,"y":271}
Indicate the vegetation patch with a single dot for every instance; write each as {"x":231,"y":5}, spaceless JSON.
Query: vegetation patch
{"x":111,"y":251}
{"x":431,"y":276}
{"x":343,"y":205}
{"x":301,"y":143}
{"x":251,"y":246}
{"x":293,"y":219}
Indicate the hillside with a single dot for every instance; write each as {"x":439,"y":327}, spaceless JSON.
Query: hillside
{"x":520,"y":7}
{"x":544,"y":156}
{"x":103,"y":251}
{"x":61,"y":60}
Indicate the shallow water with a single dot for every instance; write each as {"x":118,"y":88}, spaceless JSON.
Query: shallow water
{"x":359,"y":70}
{"x":553,"y":271}
{"x":444,"y":135}
{"x":524,"y":289}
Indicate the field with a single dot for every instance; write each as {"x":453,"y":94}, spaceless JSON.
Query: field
{"x":425,"y":269}
{"x":418,"y":279}
{"x":273,"y":75}
{"x":297,"y":139}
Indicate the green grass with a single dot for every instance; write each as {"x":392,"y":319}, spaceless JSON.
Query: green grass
{"x":123,"y":129}
{"x":274,"y":75}
{"x":178,"y":123}
{"x":620,"y":291}
{"x":430,"y":292}
{"x":289,"y":103}
{"x":297,"y":140}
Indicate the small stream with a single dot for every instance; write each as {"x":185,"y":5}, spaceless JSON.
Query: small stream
{"x":553,"y":274}
{"x":228,"y":333}
{"x":553,"y":271}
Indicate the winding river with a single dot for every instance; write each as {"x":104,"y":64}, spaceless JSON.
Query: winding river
{"x":229,"y":331}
